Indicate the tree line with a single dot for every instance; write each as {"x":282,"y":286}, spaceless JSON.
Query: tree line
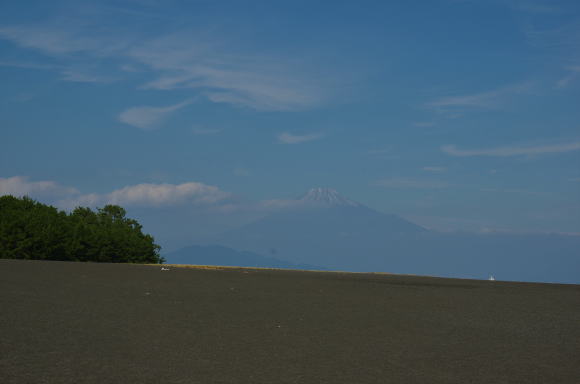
{"x":32,"y":230}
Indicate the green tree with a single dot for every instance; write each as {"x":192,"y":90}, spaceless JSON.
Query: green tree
{"x":31,"y":230}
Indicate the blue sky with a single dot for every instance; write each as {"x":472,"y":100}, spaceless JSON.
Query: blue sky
{"x":459,"y":115}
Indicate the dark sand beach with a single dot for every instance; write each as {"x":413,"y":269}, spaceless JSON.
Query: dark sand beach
{"x":66,"y":322}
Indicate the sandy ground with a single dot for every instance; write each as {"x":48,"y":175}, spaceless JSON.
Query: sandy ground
{"x":64,"y":322}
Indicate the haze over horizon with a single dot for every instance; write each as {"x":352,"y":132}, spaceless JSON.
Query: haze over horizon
{"x":200,"y":117}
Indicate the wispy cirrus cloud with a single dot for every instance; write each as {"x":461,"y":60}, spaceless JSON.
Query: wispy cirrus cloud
{"x":69,"y":72}
{"x":241,"y":172}
{"x":380,"y":151}
{"x":424,"y":124}
{"x":563,"y":37}
{"x":288,"y":138}
{"x":149,"y":118}
{"x":176,"y":60}
{"x":199,"y":130}
{"x":516,"y":191}
{"x":434,"y":169}
{"x":411,"y":183}
{"x":535,"y":7}
{"x":50,"y":39}
{"x":264,"y":83}
{"x":27,"y":65}
{"x":513,"y":151}
{"x":573,"y":74}
{"x":489,"y":99}
{"x":83,"y":76}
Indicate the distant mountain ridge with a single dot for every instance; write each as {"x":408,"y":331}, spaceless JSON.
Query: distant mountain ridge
{"x":322,"y":229}
{"x":328,"y":229}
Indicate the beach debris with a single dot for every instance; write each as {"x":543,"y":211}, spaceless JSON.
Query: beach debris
{"x":165,"y":269}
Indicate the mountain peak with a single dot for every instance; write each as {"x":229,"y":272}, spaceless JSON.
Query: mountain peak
{"x":327,"y":196}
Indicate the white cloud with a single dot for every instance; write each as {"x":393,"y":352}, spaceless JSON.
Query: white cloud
{"x":149,"y":118}
{"x":516,"y":191}
{"x":205,"y":131}
{"x":512,"y":151}
{"x":58,"y":39}
{"x":166,"y":194}
{"x":435,"y":169}
{"x":565,"y":81}
{"x":535,"y":7}
{"x":379,"y":151}
{"x":241,"y":172}
{"x":152,"y":195}
{"x":27,"y":65}
{"x":81,"y":76}
{"x":562,"y":36}
{"x":573,"y":74}
{"x":76,"y":73}
{"x":180,"y":60}
{"x":288,"y":138}
{"x":424,"y":124}
{"x":407,"y":183}
{"x":20,"y":186}
{"x":191,"y":193}
{"x":50,"y":40}
{"x":489,"y":99}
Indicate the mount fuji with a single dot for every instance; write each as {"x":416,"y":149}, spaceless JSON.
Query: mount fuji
{"x":327,"y":229}
{"x":328,"y":197}
{"x":324,"y":226}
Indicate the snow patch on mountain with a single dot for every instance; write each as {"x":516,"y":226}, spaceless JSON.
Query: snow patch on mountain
{"x":327,"y":196}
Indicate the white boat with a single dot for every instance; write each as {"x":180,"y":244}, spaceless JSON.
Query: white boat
{"x":491,"y":278}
